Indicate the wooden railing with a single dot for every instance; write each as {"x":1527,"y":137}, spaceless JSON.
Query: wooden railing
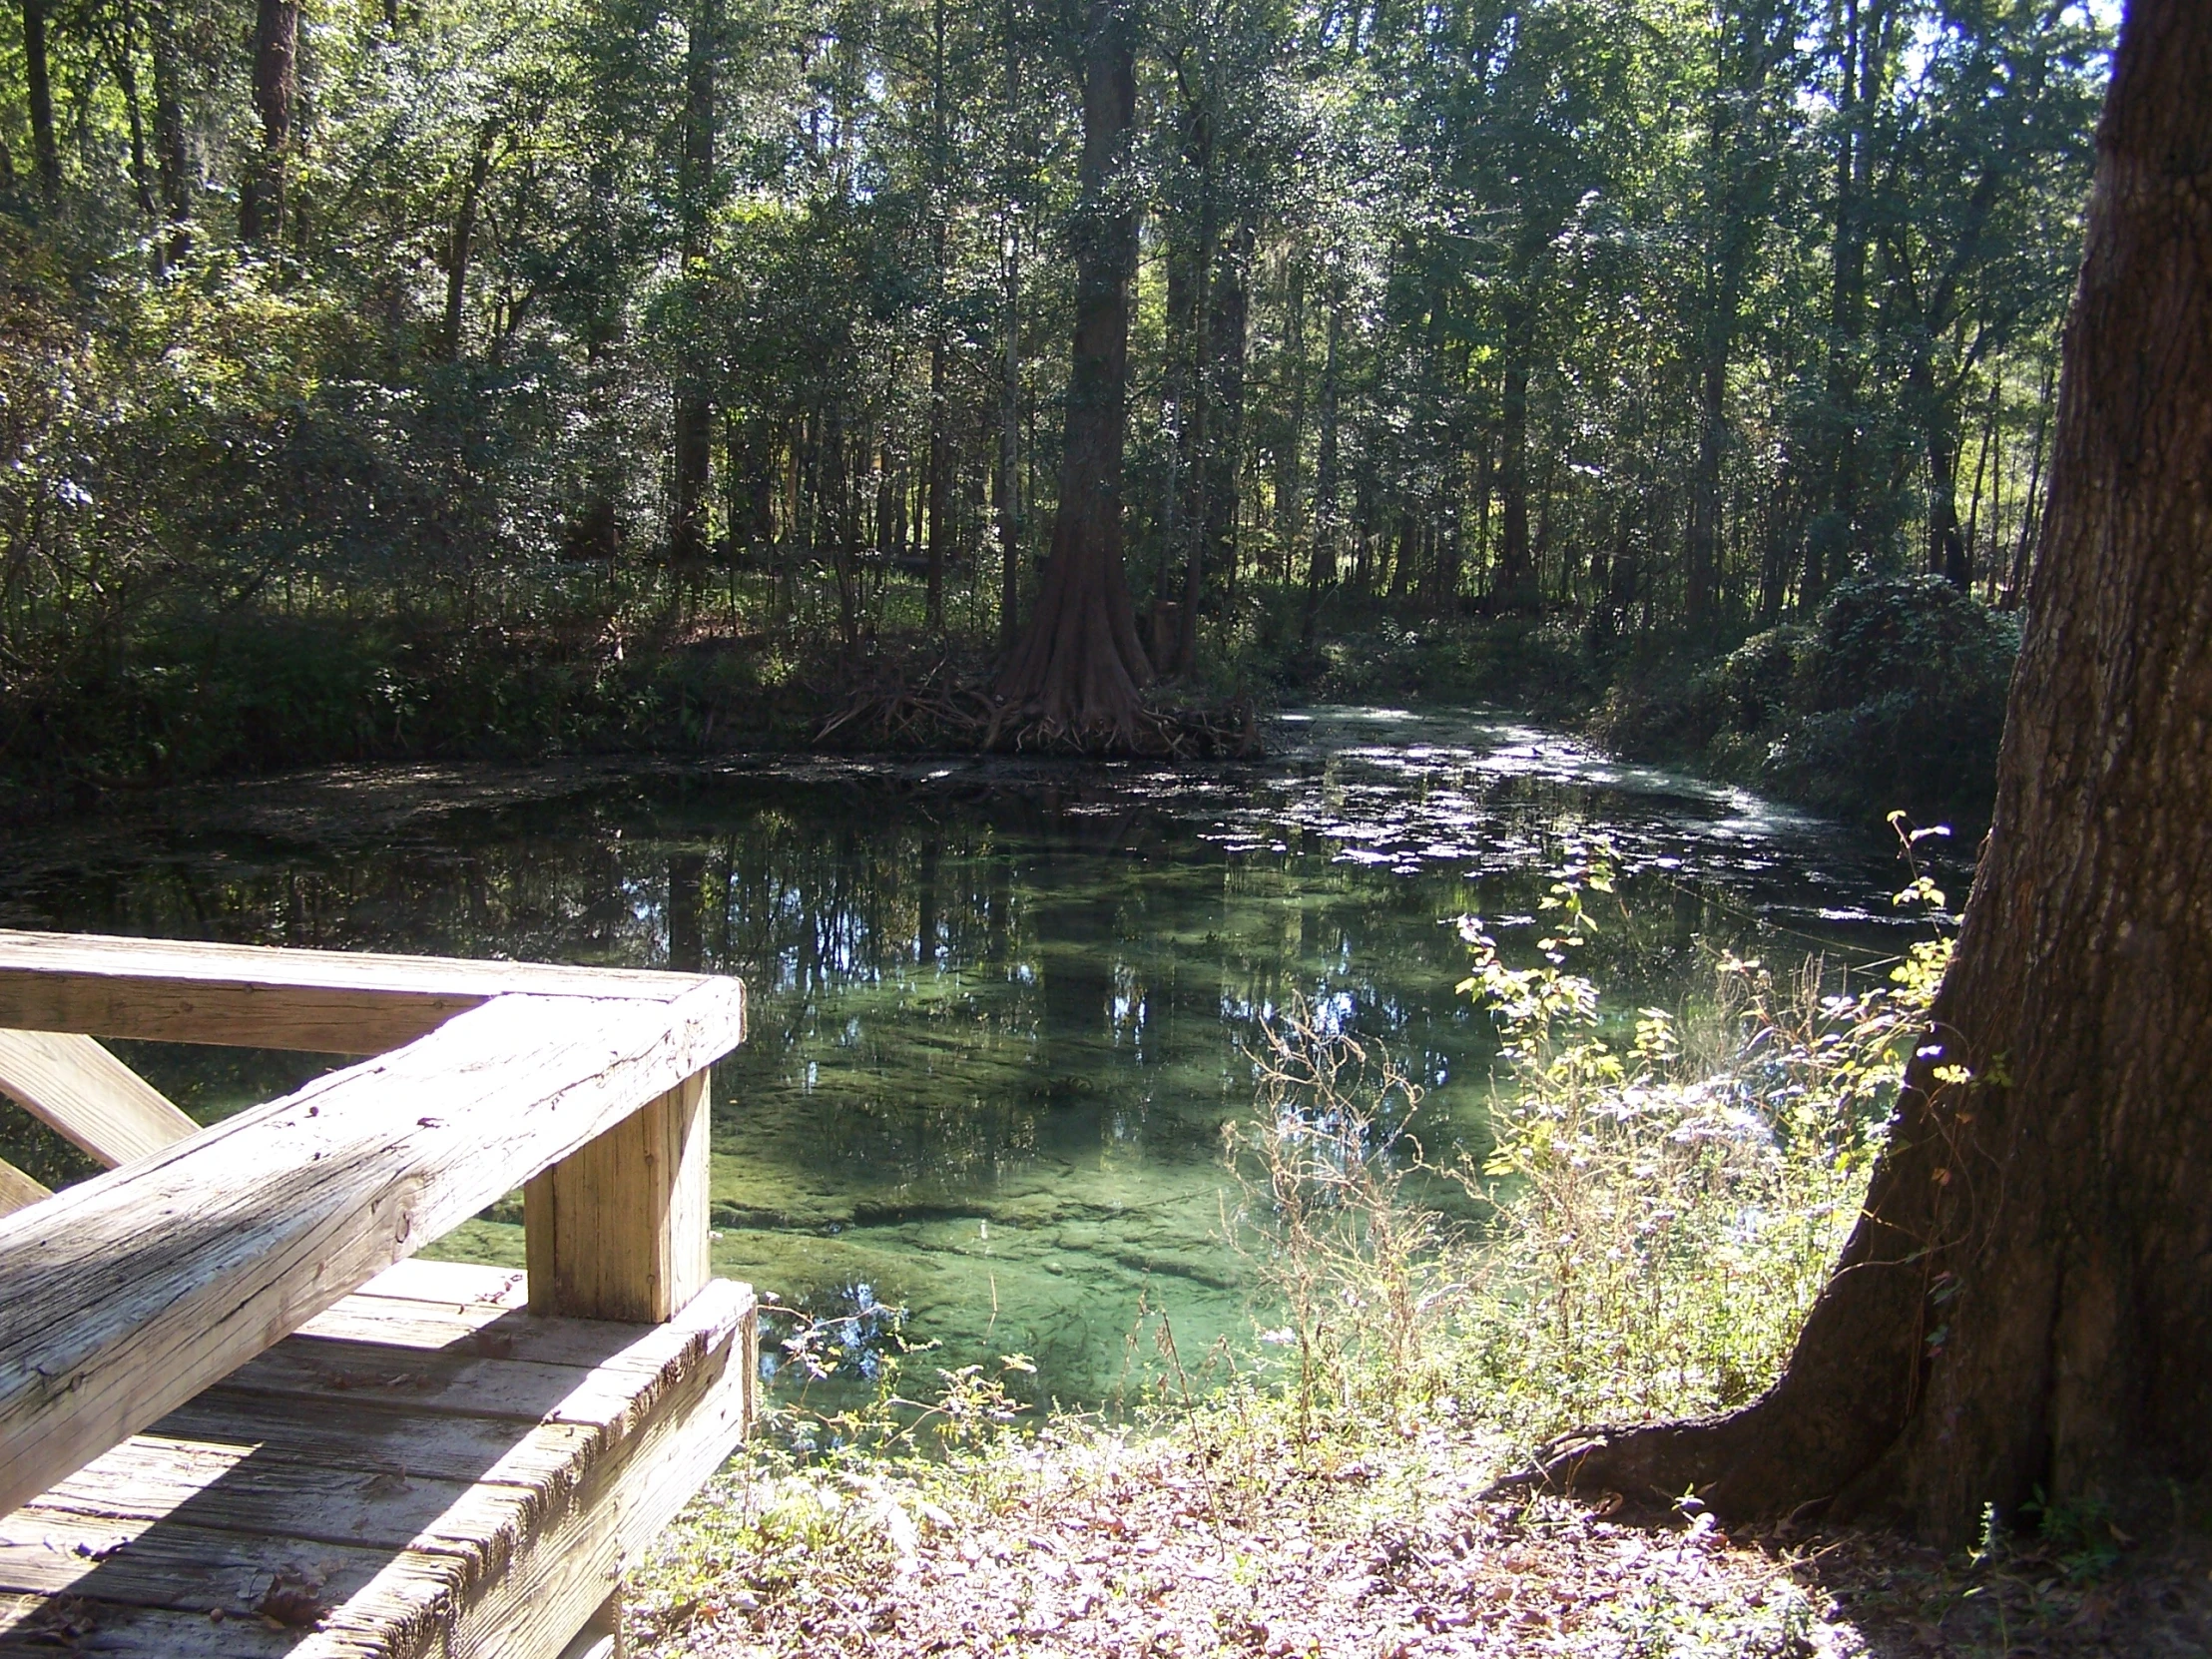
{"x":128,"y":1294}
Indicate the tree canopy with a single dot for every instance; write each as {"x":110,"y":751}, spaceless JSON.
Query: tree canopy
{"x":439,"y":321}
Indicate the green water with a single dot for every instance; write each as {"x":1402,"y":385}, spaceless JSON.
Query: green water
{"x":1000,"y":1010}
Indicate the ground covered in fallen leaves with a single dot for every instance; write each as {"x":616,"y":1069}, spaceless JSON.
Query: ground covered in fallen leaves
{"x":1223,"y":1539}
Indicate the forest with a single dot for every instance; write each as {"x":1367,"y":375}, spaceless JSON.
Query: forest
{"x":439,"y":376}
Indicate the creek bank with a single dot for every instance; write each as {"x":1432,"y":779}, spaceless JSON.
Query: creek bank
{"x":1206,"y":1538}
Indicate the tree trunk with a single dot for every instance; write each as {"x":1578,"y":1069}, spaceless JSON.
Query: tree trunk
{"x":1010,"y":451}
{"x":172,"y":161}
{"x":1860,"y":70}
{"x":1321,"y":569}
{"x":1515,"y":572}
{"x":694,"y":422}
{"x":464,"y":232}
{"x":2023,"y":1304}
{"x":37,"y":83}
{"x":939,"y":492}
{"x":276,"y":91}
{"x":125,"y":64}
{"x":1009,"y":407}
{"x":1225,"y":404}
{"x":1290,"y":524}
{"x":941,"y":459}
{"x":1704,"y":481}
{"x":2015,"y":580}
{"x":1080,"y":664}
{"x":1197,"y":429}
{"x":1946,"y":548}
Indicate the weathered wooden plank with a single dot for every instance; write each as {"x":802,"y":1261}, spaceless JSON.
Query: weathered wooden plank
{"x":525,"y":1366}
{"x":17,"y":1190}
{"x":468,"y":1283}
{"x":86,"y":1095}
{"x":70,"y":1624}
{"x":249,"y":1488}
{"x":617,"y":1230}
{"x":131,"y":1291}
{"x":307,"y":1470}
{"x":332,"y":1003}
{"x":384,"y":1442}
{"x":571,"y":1565}
{"x":168,"y":1564}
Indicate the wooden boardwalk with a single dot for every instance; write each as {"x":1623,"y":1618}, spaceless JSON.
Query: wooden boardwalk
{"x":237,"y":1419}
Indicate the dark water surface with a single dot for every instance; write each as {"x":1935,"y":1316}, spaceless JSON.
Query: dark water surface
{"x":1001,"y":1009}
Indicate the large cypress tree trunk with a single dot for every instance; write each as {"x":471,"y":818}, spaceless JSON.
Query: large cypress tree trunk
{"x":2025,"y":1302}
{"x":1080,"y":662}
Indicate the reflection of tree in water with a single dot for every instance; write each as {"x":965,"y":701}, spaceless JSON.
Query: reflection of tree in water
{"x":994,"y":1030}
{"x":945,"y":985}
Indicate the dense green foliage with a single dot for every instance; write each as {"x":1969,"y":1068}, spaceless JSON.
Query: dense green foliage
{"x":596,"y":371}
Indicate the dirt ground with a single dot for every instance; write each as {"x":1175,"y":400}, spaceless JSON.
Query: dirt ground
{"x":1146,"y":1548}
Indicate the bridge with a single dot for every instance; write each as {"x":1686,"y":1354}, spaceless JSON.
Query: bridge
{"x":239,"y":1419}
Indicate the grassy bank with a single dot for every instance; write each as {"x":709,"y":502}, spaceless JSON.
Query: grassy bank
{"x":1893,"y":694}
{"x":1665,"y":1195}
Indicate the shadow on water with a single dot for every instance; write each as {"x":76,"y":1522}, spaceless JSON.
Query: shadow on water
{"x":1001,"y":1009}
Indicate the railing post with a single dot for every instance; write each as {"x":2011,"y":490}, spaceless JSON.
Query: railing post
{"x":617,"y":1230}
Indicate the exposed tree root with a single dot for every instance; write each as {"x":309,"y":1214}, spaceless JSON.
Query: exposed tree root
{"x":943,"y":709}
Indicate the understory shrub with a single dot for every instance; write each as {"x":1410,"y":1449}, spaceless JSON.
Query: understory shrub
{"x":1665,"y":1194}
{"x":1894,"y":695}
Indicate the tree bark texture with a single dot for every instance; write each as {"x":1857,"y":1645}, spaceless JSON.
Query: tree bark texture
{"x":1080,"y":662}
{"x":276,"y":91}
{"x":1516,"y":568}
{"x":1010,"y":411}
{"x":2024,"y":1304}
{"x":1321,"y":569}
{"x":171,"y":159}
{"x":38,"y":84}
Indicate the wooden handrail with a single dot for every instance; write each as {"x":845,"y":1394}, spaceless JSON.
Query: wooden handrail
{"x":127,"y":1294}
{"x":257,"y":996}
{"x":86,"y":1095}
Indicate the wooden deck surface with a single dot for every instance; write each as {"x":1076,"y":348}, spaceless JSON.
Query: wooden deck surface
{"x":426,"y":1469}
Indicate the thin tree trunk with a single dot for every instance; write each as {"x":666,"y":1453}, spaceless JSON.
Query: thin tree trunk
{"x":38,"y":85}
{"x":1080,"y":664}
{"x":1225,"y":404}
{"x":1515,"y":571}
{"x":1009,"y":438}
{"x":171,"y":163}
{"x":125,"y":45}
{"x":2015,"y":581}
{"x":1321,"y":569}
{"x":1947,"y":550}
{"x":464,"y":230}
{"x":1980,"y":470}
{"x":1197,"y":432}
{"x":941,"y":459}
{"x":1290,"y":527}
{"x":694,"y":417}
{"x":261,"y":203}
{"x":2022,"y":1311}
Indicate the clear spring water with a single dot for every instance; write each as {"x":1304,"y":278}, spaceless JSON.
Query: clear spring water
{"x":1000,"y":1008}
